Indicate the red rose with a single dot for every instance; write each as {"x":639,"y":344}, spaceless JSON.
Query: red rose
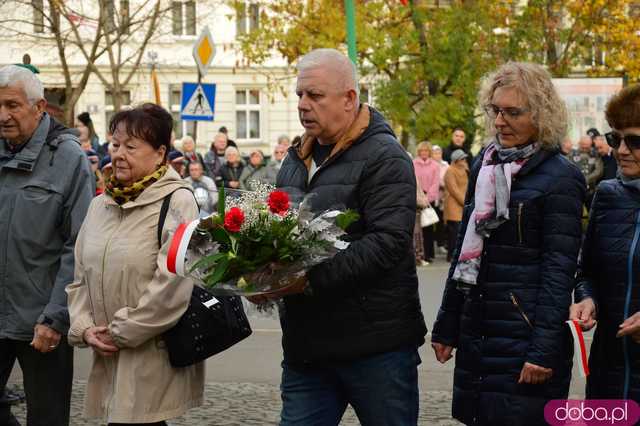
{"x":278,"y":202}
{"x":233,"y":220}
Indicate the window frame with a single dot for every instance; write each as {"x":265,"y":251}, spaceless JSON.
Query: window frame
{"x":184,"y":22}
{"x":38,"y":15}
{"x":248,"y":107}
{"x":109,"y":108}
{"x":185,"y":127}
{"x":246,"y":22}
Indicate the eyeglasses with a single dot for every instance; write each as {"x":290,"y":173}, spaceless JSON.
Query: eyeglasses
{"x":508,"y":113}
{"x":615,"y":139}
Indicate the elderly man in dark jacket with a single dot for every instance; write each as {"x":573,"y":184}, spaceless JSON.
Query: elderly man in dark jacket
{"x":352,"y":336}
{"x":45,"y":190}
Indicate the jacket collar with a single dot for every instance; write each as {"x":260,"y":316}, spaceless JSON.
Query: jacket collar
{"x":25,"y":160}
{"x":156,"y":192}
{"x":361,"y":123}
{"x":538,"y":158}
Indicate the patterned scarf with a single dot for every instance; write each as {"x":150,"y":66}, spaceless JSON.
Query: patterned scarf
{"x":493,"y":191}
{"x":123,"y":194}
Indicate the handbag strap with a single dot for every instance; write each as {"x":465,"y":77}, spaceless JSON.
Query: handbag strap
{"x":164,"y":209}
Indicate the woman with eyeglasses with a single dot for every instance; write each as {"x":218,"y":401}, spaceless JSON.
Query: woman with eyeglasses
{"x":509,"y":287}
{"x":608,"y":287}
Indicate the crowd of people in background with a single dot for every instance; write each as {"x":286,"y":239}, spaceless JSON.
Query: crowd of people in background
{"x":221,"y":165}
{"x":441,"y":187}
{"x":441,"y":176}
{"x":513,"y":230}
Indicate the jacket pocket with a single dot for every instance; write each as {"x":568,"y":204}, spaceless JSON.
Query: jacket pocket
{"x":37,"y":217}
{"x":518,"y":306}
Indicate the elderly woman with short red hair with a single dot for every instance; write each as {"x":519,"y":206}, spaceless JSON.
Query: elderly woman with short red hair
{"x":123,"y":298}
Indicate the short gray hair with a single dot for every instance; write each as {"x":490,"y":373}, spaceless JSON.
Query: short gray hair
{"x":231,"y":150}
{"x":336,"y":61}
{"x":15,"y":76}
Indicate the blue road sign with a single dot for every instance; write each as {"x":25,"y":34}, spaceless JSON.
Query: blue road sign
{"x":198,"y":101}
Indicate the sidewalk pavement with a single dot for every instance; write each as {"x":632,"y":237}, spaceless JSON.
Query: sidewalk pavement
{"x":252,"y":404}
{"x":242,"y":389}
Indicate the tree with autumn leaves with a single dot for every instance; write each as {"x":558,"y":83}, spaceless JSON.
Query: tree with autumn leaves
{"x":424,"y":62}
{"x":84,"y":33}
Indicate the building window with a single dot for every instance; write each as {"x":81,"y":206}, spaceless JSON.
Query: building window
{"x":180,"y":127}
{"x":183,"y":17}
{"x":248,"y":17}
{"x":109,"y":10}
{"x":38,"y":16}
{"x":109,"y":109}
{"x":594,"y":56}
{"x":438,"y":3}
{"x":56,"y":100}
{"x":125,"y":21}
{"x":248,"y":114}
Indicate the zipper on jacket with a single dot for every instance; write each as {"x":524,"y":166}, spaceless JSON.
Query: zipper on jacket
{"x":627,"y":303}
{"x":516,"y":303}
{"x":325,"y":164}
{"x":520,"y":207}
{"x":104,"y":257}
{"x":114,"y":358}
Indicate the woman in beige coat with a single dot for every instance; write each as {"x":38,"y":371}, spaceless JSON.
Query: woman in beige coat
{"x":123,"y":298}
{"x":456,"y":180}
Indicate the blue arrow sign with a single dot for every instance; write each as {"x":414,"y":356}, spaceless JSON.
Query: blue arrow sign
{"x":198,"y":101}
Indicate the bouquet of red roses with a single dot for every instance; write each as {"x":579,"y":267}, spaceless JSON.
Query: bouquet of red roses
{"x":257,"y":243}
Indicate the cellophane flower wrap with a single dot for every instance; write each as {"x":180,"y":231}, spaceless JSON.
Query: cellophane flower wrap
{"x":258,"y":243}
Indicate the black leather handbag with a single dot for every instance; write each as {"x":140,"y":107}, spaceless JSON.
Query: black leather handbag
{"x":210,"y":324}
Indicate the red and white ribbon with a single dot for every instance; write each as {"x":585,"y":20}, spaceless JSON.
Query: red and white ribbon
{"x":580,"y":349}
{"x":178,"y":247}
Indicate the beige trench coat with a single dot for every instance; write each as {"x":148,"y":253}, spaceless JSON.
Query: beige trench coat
{"x":121,"y":281}
{"x":456,"y":180}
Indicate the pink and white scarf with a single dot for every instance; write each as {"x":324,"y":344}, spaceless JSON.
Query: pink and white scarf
{"x":492,"y":194}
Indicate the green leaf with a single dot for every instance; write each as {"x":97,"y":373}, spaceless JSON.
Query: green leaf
{"x":220,"y":235}
{"x":221,"y":201}
{"x":218,"y":272}
{"x":343,"y":220}
{"x":207,"y":261}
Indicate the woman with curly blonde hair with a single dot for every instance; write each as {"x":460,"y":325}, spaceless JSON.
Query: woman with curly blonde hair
{"x":509,"y":287}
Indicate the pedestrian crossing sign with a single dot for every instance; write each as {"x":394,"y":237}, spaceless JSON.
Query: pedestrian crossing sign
{"x":198,"y":101}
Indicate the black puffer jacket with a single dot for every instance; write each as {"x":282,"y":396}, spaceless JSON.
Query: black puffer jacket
{"x":610,"y":273}
{"x":365,"y":300}
{"x":532,"y":257}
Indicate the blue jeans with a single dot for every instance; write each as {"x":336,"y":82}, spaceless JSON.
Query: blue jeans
{"x":382,"y":389}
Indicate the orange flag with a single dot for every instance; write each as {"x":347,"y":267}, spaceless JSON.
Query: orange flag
{"x":156,"y":86}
